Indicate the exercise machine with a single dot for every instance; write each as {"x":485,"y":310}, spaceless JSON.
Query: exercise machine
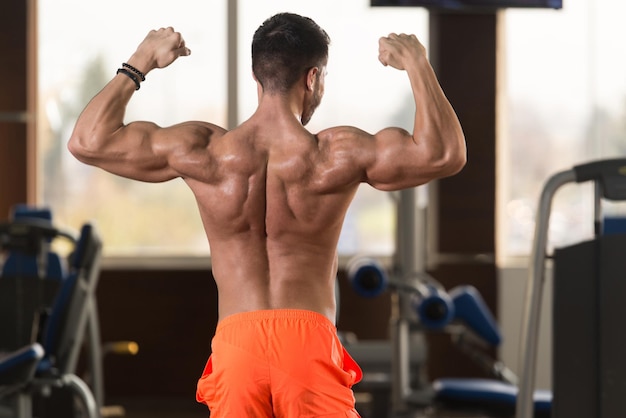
{"x":589,"y":366}
{"x":463,"y":314}
{"x":50,"y":308}
{"x":418,"y":300}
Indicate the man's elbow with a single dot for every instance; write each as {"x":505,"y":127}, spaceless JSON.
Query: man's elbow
{"x":74,"y":146}
{"x":448,"y":162}
{"x":457,"y":162}
{"x":78,"y":147}
{"x":456,"y":155}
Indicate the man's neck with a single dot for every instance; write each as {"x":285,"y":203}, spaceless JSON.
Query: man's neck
{"x":291,"y":103}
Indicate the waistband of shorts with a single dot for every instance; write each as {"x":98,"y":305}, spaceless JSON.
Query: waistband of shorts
{"x":275,"y":314}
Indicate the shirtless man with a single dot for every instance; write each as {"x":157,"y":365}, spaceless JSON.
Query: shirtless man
{"x":272,"y":197}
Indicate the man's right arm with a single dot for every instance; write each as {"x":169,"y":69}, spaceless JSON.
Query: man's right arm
{"x":436,"y":147}
{"x":139,"y":150}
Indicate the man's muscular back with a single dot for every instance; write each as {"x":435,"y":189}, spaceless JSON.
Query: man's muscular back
{"x":273,"y":210}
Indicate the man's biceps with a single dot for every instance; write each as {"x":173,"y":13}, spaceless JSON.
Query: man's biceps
{"x":392,"y":133}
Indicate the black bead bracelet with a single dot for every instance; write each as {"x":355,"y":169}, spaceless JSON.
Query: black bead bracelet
{"x":129,"y":75}
{"x":134,"y":70}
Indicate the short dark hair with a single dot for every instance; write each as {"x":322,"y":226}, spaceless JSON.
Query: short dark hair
{"x":284,"y":48}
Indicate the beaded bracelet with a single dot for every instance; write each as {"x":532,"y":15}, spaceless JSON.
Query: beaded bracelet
{"x":134,"y":70}
{"x":129,"y":75}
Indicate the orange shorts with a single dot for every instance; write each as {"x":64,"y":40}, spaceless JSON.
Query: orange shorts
{"x":278,"y":363}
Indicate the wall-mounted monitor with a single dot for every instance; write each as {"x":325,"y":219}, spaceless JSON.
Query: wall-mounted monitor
{"x":469,"y":5}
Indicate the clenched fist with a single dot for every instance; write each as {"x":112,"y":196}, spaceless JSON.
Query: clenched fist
{"x":399,"y":50}
{"x":159,"y":49}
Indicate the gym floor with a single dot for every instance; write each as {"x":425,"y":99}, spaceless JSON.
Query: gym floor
{"x":188,"y":408}
{"x":155,"y":408}
{"x":165,"y":408}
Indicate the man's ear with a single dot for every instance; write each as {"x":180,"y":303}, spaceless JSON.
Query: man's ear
{"x":311,"y":78}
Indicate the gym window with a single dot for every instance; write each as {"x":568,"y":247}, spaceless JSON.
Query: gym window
{"x":563,"y":103}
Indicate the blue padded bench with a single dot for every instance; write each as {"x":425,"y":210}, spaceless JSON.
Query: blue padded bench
{"x":18,"y":368}
{"x":491,"y":397}
{"x":487,"y":396}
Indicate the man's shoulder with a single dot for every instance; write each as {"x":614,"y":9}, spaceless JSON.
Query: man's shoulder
{"x":343,"y":133}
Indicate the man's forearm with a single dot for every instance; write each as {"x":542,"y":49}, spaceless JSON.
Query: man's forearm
{"x":102,"y":117}
{"x":435,"y":124}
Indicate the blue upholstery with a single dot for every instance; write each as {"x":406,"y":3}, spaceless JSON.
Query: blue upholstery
{"x":435,"y":308}
{"x":490,"y":396}
{"x":55,"y":323}
{"x":614,"y":225}
{"x":367,"y":276}
{"x":18,"y":368}
{"x":23,"y":263}
{"x":21,"y":211}
{"x":470,"y":308}
{"x":19,"y":365}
